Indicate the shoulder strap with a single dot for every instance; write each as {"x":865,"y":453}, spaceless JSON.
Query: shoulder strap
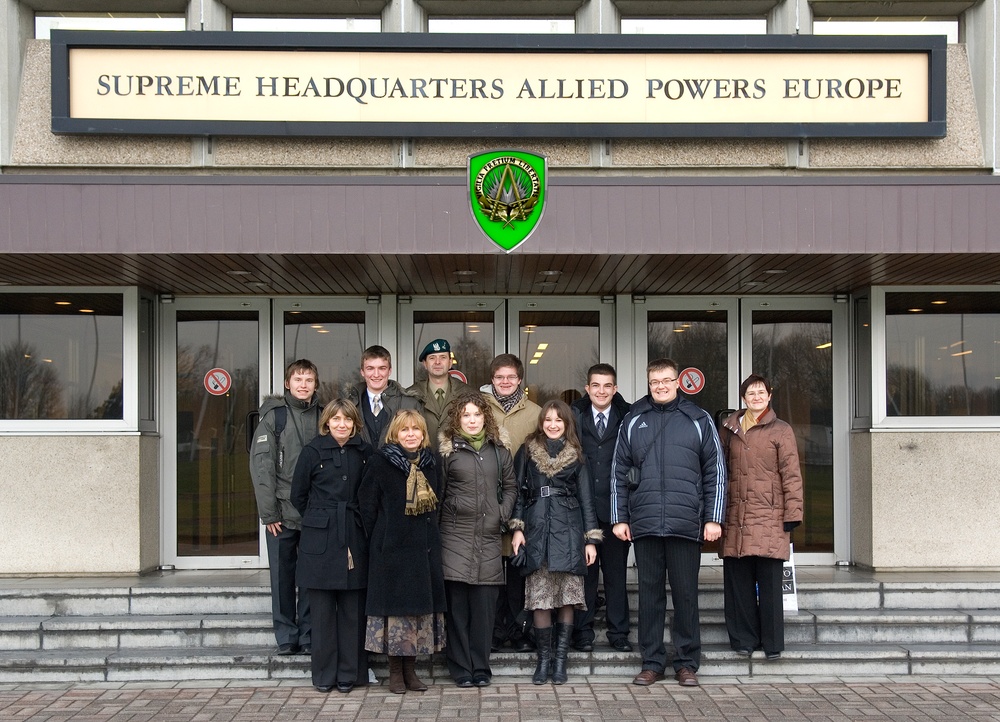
{"x":280,"y":419}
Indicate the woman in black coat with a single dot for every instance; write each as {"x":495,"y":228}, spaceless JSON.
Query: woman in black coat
{"x":399,"y":506}
{"x":333,"y":549}
{"x":556,"y":528}
{"x":477,"y":495}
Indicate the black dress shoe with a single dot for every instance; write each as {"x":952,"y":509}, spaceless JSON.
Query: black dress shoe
{"x":744,"y":652}
{"x":481,"y":679}
{"x":324,"y":689}
{"x":496,"y":645}
{"x":464,"y":682}
{"x":584,"y":646}
{"x":306,"y":649}
{"x":344,"y":687}
{"x":772,"y":655}
{"x":287,"y":649}
{"x":622,"y":645}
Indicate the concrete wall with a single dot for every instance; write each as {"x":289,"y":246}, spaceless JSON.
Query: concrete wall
{"x":79,"y":504}
{"x":925,"y":500}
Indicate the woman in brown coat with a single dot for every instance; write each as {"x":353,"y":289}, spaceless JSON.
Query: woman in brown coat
{"x":764,"y":505}
{"x":477,"y":495}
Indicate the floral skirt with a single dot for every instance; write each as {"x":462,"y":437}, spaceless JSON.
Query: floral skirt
{"x":406,"y":636}
{"x":550,"y":590}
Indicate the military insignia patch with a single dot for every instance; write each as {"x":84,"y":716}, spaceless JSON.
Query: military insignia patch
{"x":507,"y":193}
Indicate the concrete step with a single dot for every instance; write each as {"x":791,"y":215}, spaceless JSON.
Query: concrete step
{"x":124,"y":632}
{"x":174,"y":664}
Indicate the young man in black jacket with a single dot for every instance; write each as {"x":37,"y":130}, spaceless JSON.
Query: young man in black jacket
{"x":598,"y":416}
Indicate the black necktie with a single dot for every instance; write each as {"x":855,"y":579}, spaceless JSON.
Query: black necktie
{"x":601,"y":426}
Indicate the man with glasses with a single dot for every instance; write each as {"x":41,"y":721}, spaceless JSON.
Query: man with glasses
{"x":668,"y":496}
{"x":518,"y":416}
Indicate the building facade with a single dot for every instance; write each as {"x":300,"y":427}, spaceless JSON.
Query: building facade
{"x":154,"y":286}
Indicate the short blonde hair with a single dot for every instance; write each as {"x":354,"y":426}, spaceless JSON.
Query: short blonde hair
{"x":406,"y":417}
{"x":348,"y":409}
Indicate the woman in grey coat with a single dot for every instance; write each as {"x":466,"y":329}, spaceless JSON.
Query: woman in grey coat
{"x":477,"y":497}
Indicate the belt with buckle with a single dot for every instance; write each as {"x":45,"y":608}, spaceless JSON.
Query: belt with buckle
{"x":546,"y":491}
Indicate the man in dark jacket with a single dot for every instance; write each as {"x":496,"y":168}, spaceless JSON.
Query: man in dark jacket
{"x":598,"y":416}
{"x":378,"y":397}
{"x":668,"y":496}
{"x":287,"y":423}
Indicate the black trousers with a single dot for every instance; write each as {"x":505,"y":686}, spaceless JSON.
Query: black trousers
{"x":657,"y":557}
{"x":338,"y":636}
{"x":509,"y":601}
{"x":471,"y":609}
{"x":755,"y":616}
{"x":612,"y":563}
{"x":290,"y":611}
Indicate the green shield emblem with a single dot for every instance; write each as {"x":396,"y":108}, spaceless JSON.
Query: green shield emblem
{"x":507,"y":194}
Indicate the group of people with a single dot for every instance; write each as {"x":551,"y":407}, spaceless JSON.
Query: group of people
{"x":442,"y":517}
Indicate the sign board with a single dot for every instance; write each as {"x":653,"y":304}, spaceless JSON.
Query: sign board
{"x":404,"y":85}
{"x":789,"y":589}
{"x":691,"y":380}
{"x":218,"y":382}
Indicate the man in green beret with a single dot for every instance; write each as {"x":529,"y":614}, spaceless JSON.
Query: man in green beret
{"x":439,"y":388}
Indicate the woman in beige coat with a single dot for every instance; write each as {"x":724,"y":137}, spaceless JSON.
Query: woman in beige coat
{"x":764,"y":504}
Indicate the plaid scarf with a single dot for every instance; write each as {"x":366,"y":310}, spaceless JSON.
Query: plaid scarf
{"x":507,"y":402}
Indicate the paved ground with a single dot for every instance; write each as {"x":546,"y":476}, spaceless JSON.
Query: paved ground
{"x":716,"y":701}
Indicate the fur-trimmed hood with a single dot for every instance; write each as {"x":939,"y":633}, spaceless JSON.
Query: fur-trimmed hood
{"x":548,"y":465}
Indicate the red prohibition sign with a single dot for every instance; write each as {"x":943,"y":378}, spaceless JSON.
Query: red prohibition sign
{"x":692,"y":380}
{"x":218,"y":381}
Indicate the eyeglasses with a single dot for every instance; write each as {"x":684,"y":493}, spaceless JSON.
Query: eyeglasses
{"x":656,"y":383}
{"x":506,"y":378}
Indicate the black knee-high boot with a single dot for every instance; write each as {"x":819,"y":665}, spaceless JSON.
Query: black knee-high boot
{"x":543,"y":645}
{"x":564,"y":632}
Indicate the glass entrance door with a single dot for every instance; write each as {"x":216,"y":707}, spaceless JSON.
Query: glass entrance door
{"x":216,"y":354}
{"x":799,"y":345}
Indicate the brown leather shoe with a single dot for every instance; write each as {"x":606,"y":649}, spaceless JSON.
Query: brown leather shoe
{"x":686,"y":677}
{"x":647,"y":677}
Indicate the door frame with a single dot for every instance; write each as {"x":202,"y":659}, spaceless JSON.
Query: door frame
{"x":168,"y":403}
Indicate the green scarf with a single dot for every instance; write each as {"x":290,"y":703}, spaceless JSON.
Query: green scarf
{"x":477,"y":441}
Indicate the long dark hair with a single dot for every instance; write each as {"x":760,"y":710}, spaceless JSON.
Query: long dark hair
{"x":564,"y":412}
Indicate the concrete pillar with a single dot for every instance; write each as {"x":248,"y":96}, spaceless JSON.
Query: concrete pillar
{"x":792,"y":17}
{"x":208,"y":15}
{"x":404,"y":16}
{"x":979,"y":32}
{"x":17,"y":26}
{"x":598,"y":16}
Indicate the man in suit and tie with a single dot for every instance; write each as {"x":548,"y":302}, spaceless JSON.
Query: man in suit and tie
{"x":598,"y":416}
{"x":378,"y":397}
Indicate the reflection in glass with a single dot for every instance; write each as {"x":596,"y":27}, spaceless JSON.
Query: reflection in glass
{"x":333,"y":340}
{"x":557,"y":348}
{"x":470,"y":335}
{"x":793,"y":350}
{"x":942,"y":354}
{"x":216,"y":508}
{"x":694,"y":339}
{"x":61,"y":356}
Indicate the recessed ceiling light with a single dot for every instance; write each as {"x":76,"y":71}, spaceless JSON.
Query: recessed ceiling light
{"x":238,"y":273}
{"x":466,"y":284}
{"x":938,"y":303}
{"x":464,"y":272}
{"x":775,"y":271}
{"x":828,"y":344}
{"x":915,"y":310}
{"x":550,"y":273}
{"x":62,"y":303}
{"x":86,"y":310}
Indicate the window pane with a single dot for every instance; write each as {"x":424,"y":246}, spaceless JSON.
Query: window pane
{"x":470,"y":335}
{"x":693,"y":339}
{"x":694,"y":26}
{"x":501,"y":25}
{"x":307,"y":25}
{"x":44,"y":24}
{"x":333,"y":340}
{"x":61,"y":356}
{"x":887,"y":26}
{"x":942,"y":354}
{"x":557,"y":348}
